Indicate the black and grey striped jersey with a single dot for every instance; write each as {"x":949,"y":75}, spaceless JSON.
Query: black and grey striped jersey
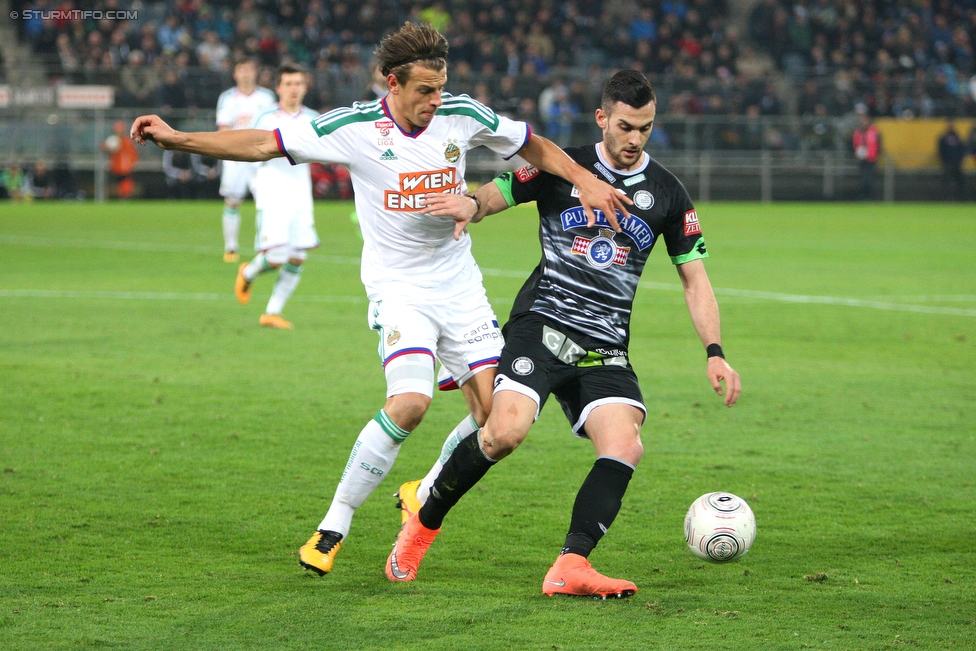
{"x":587,"y":277}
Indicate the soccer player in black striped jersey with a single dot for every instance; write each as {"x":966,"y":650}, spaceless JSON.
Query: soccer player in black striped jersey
{"x":570,"y":327}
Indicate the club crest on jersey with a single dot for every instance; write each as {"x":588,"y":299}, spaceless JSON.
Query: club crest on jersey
{"x":643,"y":199}
{"x":633,"y":227}
{"x":393,"y":337}
{"x":523,"y":366}
{"x":409,"y":197}
{"x":601,"y":251}
{"x":452,"y":153}
{"x":692,"y":227}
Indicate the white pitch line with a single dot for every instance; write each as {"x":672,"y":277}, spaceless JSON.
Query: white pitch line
{"x":927,"y":298}
{"x":786,"y":298}
{"x":119,"y":246}
{"x":824,"y":300}
{"x":153,"y":296}
{"x":503,"y":273}
{"x":144,"y":246}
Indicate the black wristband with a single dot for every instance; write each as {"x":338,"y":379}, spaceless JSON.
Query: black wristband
{"x":714,"y":350}
{"x":477,"y":203}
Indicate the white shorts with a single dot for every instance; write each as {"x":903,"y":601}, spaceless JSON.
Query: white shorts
{"x":236,"y":178}
{"x":462,"y":333}
{"x":283,"y":226}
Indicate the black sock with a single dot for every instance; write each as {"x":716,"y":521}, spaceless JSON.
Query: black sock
{"x":597,"y":504}
{"x":463,"y":469}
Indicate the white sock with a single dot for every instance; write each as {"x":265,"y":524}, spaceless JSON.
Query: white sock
{"x":288,"y":278}
{"x":232,"y":226}
{"x":256,"y":266}
{"x":465,"y":428}
{"x":371,"y":458}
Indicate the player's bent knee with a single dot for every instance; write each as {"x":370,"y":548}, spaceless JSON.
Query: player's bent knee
{"x":500,"y":441}
{"x":407,"y":409}
{"x":628,"y":449}
{"x":635,"y":452}
{"x":276,"y":256}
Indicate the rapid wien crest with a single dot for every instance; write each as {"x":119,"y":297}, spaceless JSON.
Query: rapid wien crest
{"x":601,"y":251}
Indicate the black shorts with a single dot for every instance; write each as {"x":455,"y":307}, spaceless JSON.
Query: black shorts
{"x":542,"y":357}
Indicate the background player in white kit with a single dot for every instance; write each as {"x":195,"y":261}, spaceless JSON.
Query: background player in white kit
{"x":236,"y":109}
{"x":285,"y":227}
{"x":425,"y":289}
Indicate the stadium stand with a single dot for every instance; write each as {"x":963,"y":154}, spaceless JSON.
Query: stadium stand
{"x":804,"y":57}
{"x":902,"y":59}
{"x":757,"y":97}
{"x":504,"y":52}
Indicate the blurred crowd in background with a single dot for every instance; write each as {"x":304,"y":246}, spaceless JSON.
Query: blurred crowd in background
{"x":541,"y":59}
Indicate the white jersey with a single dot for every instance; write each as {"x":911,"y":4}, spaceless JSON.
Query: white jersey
{"x":406,"y":250}
{"x":278,"y":183}
{"x":237,"y":110}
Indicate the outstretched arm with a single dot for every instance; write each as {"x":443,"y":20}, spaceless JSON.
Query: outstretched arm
{"x":464,"y":209}
{"x":703,"y":308}
{"x":593,"y":193}
{"x":241,"y":145}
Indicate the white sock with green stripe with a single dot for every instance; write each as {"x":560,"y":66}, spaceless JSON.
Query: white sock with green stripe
{"x":256,"y":267}
{"x":371,"y":458}
{"x":288,"y":278}
{"x":465,"y":428}
{"x":232,"y":226}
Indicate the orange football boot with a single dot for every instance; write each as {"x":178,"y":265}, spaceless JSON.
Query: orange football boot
{"x":274,"y":321}
{"x":242,"y":286}
{"x":572,"y":574}
{"x":408,"y":502}
{"x":409,"y":550}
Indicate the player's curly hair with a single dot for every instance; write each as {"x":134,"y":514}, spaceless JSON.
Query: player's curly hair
{"x":630,"y":87}
{"x":412,"y":43}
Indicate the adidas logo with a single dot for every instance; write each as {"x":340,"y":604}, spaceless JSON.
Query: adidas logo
{"x":388,"y":155}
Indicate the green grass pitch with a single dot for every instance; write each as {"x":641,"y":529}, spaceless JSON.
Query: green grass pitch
{"x":163,"y":457}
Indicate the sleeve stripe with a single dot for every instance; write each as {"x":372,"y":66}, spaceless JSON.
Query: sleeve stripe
{"x":475,"y":105}
{"x":528,"y":135}
{"x":694,"y":254}
{"x":281,"y":147}
{"x":505,"y":187}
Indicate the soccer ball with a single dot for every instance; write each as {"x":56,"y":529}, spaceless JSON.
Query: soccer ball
{"x":720,"y":527}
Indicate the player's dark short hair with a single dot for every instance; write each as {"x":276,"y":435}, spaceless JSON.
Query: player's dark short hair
{"x":412,"y":43}
{"x":288,"y":68}
{"x":246,"y":60}
{"x":630,"y":87}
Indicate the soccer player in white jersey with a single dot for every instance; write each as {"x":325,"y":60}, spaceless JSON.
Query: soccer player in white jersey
{"x":426,"y":295}
{"x":236,"y":109}
{"x":283,"y":197}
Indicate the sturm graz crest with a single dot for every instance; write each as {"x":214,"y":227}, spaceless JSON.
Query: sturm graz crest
{"x":601,"y":251}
